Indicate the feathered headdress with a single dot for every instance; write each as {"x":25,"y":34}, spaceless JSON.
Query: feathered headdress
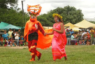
{"x":35,"y":9}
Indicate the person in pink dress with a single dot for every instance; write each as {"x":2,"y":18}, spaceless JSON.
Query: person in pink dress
{"x":59,"y":39}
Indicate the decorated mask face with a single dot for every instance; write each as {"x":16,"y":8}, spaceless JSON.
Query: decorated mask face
{"x":34,"y":11}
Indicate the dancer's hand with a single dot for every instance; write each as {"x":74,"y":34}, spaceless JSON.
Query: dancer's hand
{"x":45,"y":34}
{"x":54,"y":29}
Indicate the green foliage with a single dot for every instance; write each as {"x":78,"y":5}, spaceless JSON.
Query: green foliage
{"x":69,"y":14}
{"x":44,"y":21}
{"x":11,"y":16}
{"x":15,"y":16}
{"x":92,"y":22}
{"x":3,"y":3}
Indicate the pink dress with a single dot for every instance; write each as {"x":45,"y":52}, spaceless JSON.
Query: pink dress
{"x":58,"y":43}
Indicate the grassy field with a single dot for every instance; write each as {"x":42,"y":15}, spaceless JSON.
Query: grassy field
{"x":76,"y":55}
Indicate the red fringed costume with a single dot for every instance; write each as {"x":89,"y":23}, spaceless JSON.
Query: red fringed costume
{"x":34,"y":33}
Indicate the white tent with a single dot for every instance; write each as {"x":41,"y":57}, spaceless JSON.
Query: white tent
{"x":76,"y":29}
{"x":70,"y":25}
{"x":84,"y":24}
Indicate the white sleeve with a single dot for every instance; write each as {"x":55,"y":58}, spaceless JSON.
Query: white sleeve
{"x":15,"y":34}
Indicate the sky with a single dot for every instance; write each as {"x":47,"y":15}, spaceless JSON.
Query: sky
{"x":87,"y":6}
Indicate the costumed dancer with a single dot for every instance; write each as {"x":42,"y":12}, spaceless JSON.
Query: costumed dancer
{"x":31,"y":30}
{"x":59,"y":39}
{"x":34,"y":33}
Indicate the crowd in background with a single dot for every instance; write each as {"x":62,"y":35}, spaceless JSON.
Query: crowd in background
{"x":82,"y":37}
{"x":12,"y":38}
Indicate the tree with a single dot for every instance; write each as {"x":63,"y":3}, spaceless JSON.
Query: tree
{"x":12,"y":15}
{"x":44,"y":21}
{"x":69,"y":14}
{"x":4,"y":3}
{"x":92,"y":22}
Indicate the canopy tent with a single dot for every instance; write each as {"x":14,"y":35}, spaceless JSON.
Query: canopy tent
{"x":11,"y":27}
{"x":70,"y":25}
{"x":84,"y":24}
{"x":76,"y":29}
{"x":3,"y":24}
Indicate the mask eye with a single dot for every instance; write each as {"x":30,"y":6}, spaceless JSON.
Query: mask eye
{"x":34,"y":14}
{"x":30,"y":13}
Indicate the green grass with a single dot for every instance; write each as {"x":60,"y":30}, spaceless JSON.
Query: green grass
{"x":76,"y":55}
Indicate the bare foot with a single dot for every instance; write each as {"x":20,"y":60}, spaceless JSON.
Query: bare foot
{"x":54,"y":60}
{"x":65,"y":58}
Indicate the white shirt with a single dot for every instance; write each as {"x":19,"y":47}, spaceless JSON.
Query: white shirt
{"x":83,"y":33}
{"x":16,"y":36}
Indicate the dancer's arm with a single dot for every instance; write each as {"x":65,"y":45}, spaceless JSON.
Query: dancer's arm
{"x":62,"y":28}
{"x":49,"y":33}
{"x":41,"y":28}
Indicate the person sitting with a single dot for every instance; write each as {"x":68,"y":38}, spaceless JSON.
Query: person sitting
{"x":22,"y":38}
{"x":6,"y":41}
{"x":73,"y":39}
{"x":9,"y":43}
{"x":20,"y":42}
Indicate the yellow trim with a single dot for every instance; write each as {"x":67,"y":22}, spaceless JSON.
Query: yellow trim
{"x":32,"y":54}
{"x":32,"y":47}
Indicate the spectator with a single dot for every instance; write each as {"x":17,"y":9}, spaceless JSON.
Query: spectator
{"x":71,"y":31}
{"x":13,"y":38}
{"x":1,"y":41}
{"x":88,"y":38}
{"x":10,"y":33}
{"x":84,"y":37}
{"x":17,"y":38}
{"x":19,"y":32}
{"x":68,"y":37}
{"x":88,"y":30}
{"x":92,"y":36}
{"x":21,"y":42}
{"x":5,"y":35}
{"x":6,"y":41}
{"x":79,"y":37}
{"x":13,"y":35}
{"x":9,"y":42}
{"x":73,"y":39}
{"x":83,"y":33}
{"x":22,"y":38}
